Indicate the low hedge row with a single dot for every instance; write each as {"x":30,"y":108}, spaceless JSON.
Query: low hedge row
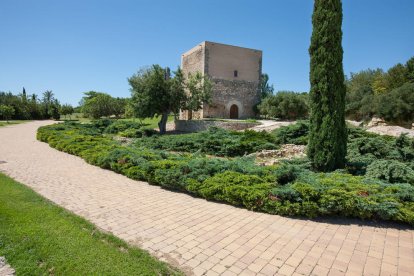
{"x":287,"y":189}
{"x":215,"y":141}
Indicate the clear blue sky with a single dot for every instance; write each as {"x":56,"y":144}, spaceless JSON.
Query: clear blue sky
{"x":75,"y":46}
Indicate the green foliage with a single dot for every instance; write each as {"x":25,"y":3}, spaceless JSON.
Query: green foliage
{"x":41,"y":238}
{"x":396,"y":76}
{"x":286,"y":189}
{"x":235,"y":188}
{"x":285,"y":105}
{"x":138,"y":132}
{"x":391,"y":171}
{"x":345,"y":195}
{"x":327,"y":136}
{"x":410,"y":70}
{"x":66,"y":110}
{"x":155,"y":93}
{"x":97,"y":104}
{"x":51,"y":106}
{"x":360,"y":95}
{"x":385,"y":94}
{"x":405,"y":148}
{"x":6,"y":112}
{"x":119,"y":126}
{"x":215,"y":141}
{"x":28,"y":107}
{"x":287,"y":173}
{"x":54,"y":110}
{"x":265,"y":88}
{"x":365,"y":148}
{"x":293,"y":134}
{"x":398,"y":104}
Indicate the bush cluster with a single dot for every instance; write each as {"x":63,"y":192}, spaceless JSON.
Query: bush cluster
{"x":129,"y":129}
{"x":293,"y":134}
{"x":286,"y":189}
{"x":285,"y":105}
{"x":375,"y":156}
{"x":215,"y":141}
{"x":345,"y":195}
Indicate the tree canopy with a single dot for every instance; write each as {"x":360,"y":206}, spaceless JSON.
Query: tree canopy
{"x":285,"y":105}
{"x":377,"y":93}
{"x":266,"y":89}
{"x":98,"y":104}
{"x":327,"y":134}
{"x":156,"y":93}
{"x":29,"y":106}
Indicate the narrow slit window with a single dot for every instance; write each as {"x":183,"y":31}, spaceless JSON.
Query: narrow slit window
{"x":236,"y":73}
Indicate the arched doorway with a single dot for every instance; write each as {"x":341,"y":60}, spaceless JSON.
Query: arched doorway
{"x":234,"y":112}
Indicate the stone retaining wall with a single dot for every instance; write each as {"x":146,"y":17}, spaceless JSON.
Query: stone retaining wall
{"x":200,"y":125}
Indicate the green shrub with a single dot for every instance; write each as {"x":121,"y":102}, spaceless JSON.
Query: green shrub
{"x":365,"y":148}
{"x":121,"y":125}
{"x":391,"y":171}
{"x":345,"y":195}
{"x":405,"y":148}
{"x":287,"y":189}
{"x":234,"y":188}
{"x":102,"y":124}
{"x":286,"y":173}
{"x":293,"y":134}
{"x":215,"y":141}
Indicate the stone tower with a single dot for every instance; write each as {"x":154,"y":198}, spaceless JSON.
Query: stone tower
{"x":235,"y":74}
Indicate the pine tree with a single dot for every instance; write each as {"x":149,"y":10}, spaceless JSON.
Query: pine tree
{"x":328,"y":134}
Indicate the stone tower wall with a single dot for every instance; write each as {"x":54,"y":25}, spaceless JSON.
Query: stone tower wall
{"x":219,"y":62}
{"x":192,"y":62}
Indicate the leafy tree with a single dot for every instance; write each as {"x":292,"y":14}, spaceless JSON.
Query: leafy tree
{"x":29,"y":107}
{"x":156,"y":93}
{"x":54,"y":110}
{"x":66,"y":110}
{"x":360,"y":95}
{"x":396,"y":76}
{"x":380,"y":83}
{"x":97,"y":105}
{"x":24,"y":95}
{"x":285,"y":105}
{"x":199,"y":91}
{"x":47,"y":101}
{"x":119,"y":105}
{"x":373,"y":92}
{"x":129,"y":109}
{"x":265,"y":88}
{"x":6,"y":112}
{"x":328,"y":134}
{"x":410,"y":70}
{"x":398,"y":105}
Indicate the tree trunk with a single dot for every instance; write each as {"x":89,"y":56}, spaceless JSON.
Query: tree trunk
{"x":162,"y":124}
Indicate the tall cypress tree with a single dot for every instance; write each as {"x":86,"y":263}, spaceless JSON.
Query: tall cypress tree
{"x":328,"y":134}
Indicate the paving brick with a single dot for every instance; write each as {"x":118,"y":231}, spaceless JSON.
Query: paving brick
{"x":320,"y":271}
{"x":286,"y":270}
{"x":219,"y":268}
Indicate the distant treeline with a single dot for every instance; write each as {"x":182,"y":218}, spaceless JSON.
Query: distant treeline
{"x":29,"y":107}
{"x":389,"y":95}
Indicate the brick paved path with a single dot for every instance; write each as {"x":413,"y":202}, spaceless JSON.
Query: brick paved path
{"x":200,"y":236}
